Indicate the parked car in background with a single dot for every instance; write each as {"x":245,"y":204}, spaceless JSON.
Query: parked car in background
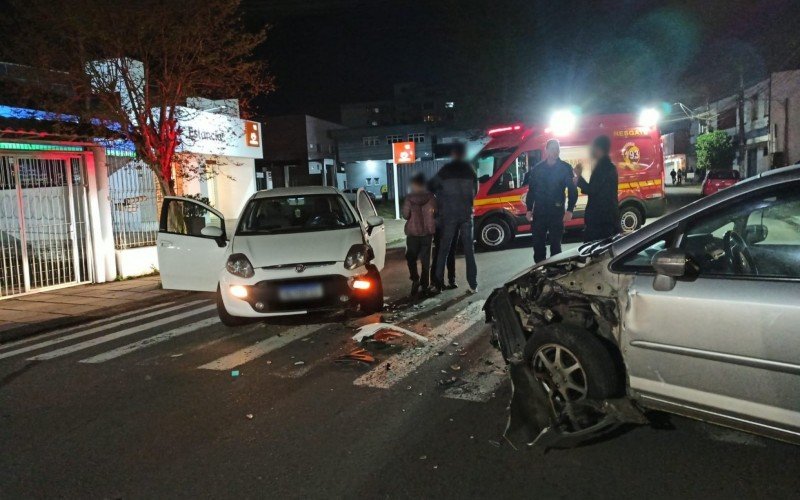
{"x":695,"y":314}
{"x":294,"y":251}
{"x":719,"y":179}
{"x":350,"y":194}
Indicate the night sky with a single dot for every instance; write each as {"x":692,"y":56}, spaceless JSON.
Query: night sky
{"x":513,"y":59}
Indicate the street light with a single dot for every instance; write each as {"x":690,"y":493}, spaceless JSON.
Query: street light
{"x":649,"y":117}
{"x":563,"y":122}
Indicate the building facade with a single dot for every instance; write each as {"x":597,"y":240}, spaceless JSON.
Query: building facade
{"x":411,"y":103}
{"x":770,"y":115}
{"x":298,"y":151}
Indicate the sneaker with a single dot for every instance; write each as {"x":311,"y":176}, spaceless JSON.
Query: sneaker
{"x":451,"y":286}
{"x":472,"y":291}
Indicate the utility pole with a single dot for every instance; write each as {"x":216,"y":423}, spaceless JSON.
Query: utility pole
{"x":742,"y":144}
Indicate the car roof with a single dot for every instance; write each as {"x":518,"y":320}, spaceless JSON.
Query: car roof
{"x":762,"y":180}
{"x":296,"y":191}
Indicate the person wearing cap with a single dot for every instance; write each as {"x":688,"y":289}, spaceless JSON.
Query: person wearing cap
{"x":547,"y":210}
{"x":601,"y":218}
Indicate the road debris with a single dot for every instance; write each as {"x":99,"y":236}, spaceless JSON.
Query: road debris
{"x":249,"y":416}
{"x":299,"y":363}
{"x":358,"y":355}
{"x":234,"y":373}
{"x":371,"y":329}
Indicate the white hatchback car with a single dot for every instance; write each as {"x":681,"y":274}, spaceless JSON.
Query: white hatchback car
{"x":294,"y":250}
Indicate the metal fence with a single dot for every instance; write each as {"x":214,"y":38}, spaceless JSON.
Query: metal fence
{"x":44,"y":234}
{"x":135,"y":202}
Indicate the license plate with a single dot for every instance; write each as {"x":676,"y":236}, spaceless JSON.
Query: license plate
{"x":305,"y":291}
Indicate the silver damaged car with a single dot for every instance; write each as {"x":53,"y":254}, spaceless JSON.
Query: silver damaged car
{"x":697,"y":314}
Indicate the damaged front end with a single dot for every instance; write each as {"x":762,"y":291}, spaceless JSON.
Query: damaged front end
{"x":574,"y":296}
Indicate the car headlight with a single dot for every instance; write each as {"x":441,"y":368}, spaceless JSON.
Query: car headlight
{"x":356,"y":257}
{"x":239,"y":265}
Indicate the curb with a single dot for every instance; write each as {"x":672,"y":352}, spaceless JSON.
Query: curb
{"x":26,"y":330}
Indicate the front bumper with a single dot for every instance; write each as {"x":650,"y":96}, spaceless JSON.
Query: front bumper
{"x":264,"y":298}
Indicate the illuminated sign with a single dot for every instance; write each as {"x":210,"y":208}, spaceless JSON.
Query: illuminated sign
{"x":403,"y":152}
{"x":252,"y":134}
{"x":632,"y":132}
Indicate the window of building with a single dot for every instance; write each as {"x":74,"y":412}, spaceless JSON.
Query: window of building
{"x":418,"y":138}
{"x":391,"y":139}
{"x":753,"y":109}
{"x":449,"y":105}
{"x":766,"y":151}
{"x":370,"y":141}
{"x":726,"y":119}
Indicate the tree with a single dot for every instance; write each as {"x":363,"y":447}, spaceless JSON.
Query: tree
{"x":126,"y":68}
{"x":715,"y":150}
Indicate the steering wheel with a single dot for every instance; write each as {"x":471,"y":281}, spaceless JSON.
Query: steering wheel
{"x":738,"y":255}
{"x":329,"y":219}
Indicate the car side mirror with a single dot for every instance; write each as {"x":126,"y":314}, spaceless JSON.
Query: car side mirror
{"x":755,"y":233}
{"x":212,"y":232}
{"x":373,"y":221}
{"x":669,"y":265}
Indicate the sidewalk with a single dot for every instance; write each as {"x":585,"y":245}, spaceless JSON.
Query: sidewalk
{"x":39,"y":312}
{"x":395,"y":236}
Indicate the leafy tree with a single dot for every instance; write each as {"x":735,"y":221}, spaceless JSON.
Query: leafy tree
{"x":715,"y":150}
{"x":126,"y":68}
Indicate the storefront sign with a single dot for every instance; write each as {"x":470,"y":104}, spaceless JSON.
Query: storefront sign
{"x":403,"y":152}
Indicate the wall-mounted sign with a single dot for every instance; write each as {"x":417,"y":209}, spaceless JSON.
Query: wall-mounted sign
{"x":252,"y":134}
{"x":403,"y":152}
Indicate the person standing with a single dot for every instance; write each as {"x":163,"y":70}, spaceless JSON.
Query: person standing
{"x":547,"y":182}
{"x":455,"y":187}
{"x":419,"y":209}
{"x":385,"y":194}
{"x":601,"y":218}
{"x":451,"y":258}
{"x":673,"y":174}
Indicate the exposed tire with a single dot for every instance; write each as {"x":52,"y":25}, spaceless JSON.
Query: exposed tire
{"x":374,"y":302}
{"x":631,"y":218}
{"x":494,"y":234}
{"x":601,"y":377}
{"x":225,"y":317}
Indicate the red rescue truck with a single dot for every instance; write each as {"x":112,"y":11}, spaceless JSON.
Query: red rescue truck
{"x":513,"y":150}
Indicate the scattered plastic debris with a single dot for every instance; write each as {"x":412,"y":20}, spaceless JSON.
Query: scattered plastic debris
{"x":371,"y":329}
{"x":423,"y":457}
{"x":455,"y":368}
{"x":358,"y":355}
{"x":234,"y":373}
{"x":177,"y":355}
{"x":496,"y":444}
{"x":249,"y":416}
{"x":299,"y":363}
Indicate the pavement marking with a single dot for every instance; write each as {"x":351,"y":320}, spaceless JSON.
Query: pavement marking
{"x":39,"y":338}
{"x":261,"y":348}
{"x":101,"y":328}
{"x":395,"y":368}
{"x":122,"y":333}
{"x":480,"y":383}
{"x":155,"y":339}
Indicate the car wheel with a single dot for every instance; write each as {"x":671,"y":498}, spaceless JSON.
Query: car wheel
{"x":572,"y":365}
{"x":225,"y":317}
{"x":494,"y":234}
{"x":630,"y":218}
{"x":374,"y":302}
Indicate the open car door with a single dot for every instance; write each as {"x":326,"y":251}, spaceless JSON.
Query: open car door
{"x":191,"y":245}
{"x":374,"y":227}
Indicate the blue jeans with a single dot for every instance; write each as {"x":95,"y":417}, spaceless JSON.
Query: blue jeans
{"x":449,"y":232}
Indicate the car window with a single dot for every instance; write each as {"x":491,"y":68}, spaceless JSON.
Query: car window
{"x":640,"y":258}
{"x":758,"y":236}
{"x":365,"y":206}
{"x":188,"y":218}
{"x":295,"y":214}
{"x":515,"y":175}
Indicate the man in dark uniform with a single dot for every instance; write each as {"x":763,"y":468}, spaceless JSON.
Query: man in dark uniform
{"x":547,"y":182}
{"x":601,"y":218}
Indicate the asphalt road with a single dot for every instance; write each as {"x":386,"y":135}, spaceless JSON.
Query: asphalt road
{"x":147,"y":405}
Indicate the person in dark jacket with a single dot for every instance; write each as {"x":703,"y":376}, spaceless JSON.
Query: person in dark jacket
{"x":451,"y":258}
{"x":455,"y":187}
{"x":601,"y":218}
{"x":547,"y":182}
{"x":419,"y":210}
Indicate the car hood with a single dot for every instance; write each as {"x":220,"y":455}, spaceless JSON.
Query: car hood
{"x":295,"y":248}
{"x":586,"y":254}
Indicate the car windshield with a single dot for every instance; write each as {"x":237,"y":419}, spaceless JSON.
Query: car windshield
{"x":490,"y":160}
{"x":296,"y":214}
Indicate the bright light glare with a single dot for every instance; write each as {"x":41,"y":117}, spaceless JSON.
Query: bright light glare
{"x":361,"y":284}
{"x":563,"y":122}
{"x":649,"y":117}
{"x":239,"y":291}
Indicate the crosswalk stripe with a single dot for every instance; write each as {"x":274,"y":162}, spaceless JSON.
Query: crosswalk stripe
{"x":97,"y":329}
{"x":39,"y":338}
{"x":155,"y":339}
{"x":122,"y":333}
{"x":395,"y":368}
{"x":261,"y":348}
